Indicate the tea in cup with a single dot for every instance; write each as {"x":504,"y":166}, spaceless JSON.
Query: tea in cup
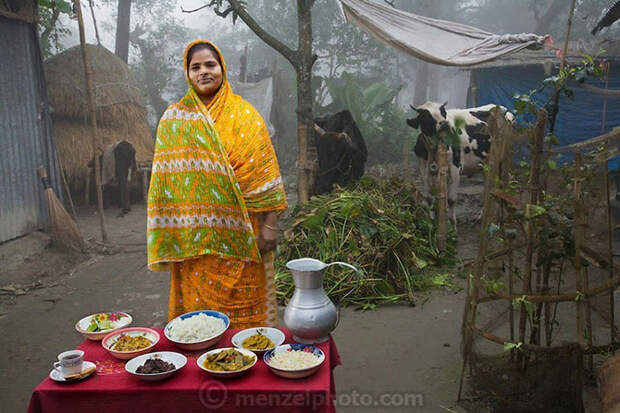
{"x":69,"y":362}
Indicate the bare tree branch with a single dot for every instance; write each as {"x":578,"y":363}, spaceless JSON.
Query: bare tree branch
{"x":237,"y":8}
{"x":204,"y":6}
{"x":390,"y":2}
{"x":48,"y":30}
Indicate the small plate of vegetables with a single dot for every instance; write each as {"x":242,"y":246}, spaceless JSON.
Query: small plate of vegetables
{"x":96,"y":326}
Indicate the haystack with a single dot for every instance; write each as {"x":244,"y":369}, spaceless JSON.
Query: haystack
{"x":121,"y":111}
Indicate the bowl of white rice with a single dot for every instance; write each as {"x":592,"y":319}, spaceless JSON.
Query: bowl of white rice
{"x":197,"y":330}
{"x":294,"y":361}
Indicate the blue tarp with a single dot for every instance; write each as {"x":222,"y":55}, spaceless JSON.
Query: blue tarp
{"x":579,"y":118}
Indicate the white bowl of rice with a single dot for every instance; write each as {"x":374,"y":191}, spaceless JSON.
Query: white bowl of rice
{"x":294,"y":361}
{"x":197,"y":330}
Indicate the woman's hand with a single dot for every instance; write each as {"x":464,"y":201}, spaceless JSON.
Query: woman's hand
{"x":267,"y":238}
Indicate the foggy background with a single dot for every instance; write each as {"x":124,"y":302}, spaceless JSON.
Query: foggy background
{"x":349,"y":60}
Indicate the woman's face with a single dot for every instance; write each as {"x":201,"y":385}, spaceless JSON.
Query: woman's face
{"x":205,"y":73}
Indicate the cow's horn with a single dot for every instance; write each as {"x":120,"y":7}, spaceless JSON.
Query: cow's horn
{"x":319,"y":130}
{"x":411,"y":106}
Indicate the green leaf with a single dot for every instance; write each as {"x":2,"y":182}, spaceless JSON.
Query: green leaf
{"x":551,"y":80}
{"x":532,"y":211}
{"x":62,"y":5}
{"x":512,"y":346}
{"x":552,"y":164}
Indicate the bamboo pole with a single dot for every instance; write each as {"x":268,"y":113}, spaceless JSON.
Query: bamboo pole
{"x":579,"y":241}
{"x":556,"y":97}
{"x":534,"y":187}
{"x":579,"y":228}
{"x":610,"y":253}
{"x":92,"y":13}
{"x":93,"y":118}
{"x":442,"y":201}
{"x":488,"y":208}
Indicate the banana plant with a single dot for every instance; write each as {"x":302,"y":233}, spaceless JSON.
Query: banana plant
{"x":366,"y":104}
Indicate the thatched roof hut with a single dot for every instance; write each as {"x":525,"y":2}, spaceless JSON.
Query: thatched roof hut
{"x":121,"y":112}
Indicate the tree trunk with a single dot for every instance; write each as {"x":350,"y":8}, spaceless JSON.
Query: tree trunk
{"x":122,"y":29}
{"x":304,"y":96}
{"x":92,"y":114}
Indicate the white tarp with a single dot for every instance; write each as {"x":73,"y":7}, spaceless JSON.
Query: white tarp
{"x":260,"y":95}
{"x":435,"y":41}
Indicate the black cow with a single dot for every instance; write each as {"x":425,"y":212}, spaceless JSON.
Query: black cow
{"x":341,"y":151}
{"x":117,"y":163}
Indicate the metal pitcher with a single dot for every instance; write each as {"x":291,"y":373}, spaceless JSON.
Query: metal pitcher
{"x":310,"y":314}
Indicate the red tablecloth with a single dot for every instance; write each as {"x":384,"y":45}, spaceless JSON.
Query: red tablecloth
{"x":112,"y":389}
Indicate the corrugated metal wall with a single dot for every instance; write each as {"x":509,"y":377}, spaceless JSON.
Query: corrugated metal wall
{"x":26,"y":140}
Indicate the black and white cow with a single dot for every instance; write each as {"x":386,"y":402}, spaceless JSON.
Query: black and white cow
{"x":466,"y":159}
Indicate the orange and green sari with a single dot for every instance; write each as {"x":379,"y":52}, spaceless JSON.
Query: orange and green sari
{"x":214,"y":173}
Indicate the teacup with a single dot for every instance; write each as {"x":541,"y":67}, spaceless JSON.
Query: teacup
{"x":69,"y":362}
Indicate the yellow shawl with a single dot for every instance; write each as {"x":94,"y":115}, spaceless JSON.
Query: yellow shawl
{"x":212,"y":166}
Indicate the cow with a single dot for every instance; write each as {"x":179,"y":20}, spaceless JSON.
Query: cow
{"x":341,"y":151}
{"x":465,"y":159}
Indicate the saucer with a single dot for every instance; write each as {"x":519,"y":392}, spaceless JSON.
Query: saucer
{"x":57,"y":376}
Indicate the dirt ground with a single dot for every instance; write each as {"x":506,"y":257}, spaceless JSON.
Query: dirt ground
{"x":395,"y":359}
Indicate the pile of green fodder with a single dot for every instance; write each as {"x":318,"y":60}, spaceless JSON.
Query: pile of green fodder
{"x":380,"y":227}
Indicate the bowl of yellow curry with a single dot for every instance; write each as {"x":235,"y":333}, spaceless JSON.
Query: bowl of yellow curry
{"x":258,"y":339}
{"x":130,"y":342}
{"x":227,"y":362}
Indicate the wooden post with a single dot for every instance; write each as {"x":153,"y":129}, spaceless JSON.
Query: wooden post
{"x":488,"y":209}
{"x":442,"y":199}
{"x":579,"y":242}
{"x":93,"y":118}
{"x":87,"y":188}
{"x":538,"y":138}
{"x":610,"y":254}
{"x":556,"y":97}
{"x":92,"y":13}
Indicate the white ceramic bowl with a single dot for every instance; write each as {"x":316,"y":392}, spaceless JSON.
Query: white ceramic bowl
{"x":83,"y":324}
{"x":294,"y":373}
{"x":109,"y":341}
{"x":227,"y":374}
{"x":179,"y":361}
{"x":202,"y":344}
{"x":276,"y":336}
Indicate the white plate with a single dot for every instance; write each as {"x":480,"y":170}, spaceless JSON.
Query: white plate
{"x":179,"y":361}
{"x":82,"y":325}
{"x":57,"y":376}
{"x":276,"y":336}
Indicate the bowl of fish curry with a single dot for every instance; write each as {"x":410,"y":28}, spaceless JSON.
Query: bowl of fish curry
{"x":227,"y":362}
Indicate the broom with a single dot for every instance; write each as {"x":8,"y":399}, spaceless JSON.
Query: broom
{"x":63,"y":228}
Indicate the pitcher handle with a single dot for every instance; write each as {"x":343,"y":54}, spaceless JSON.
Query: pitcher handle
{"x":342,"y":263}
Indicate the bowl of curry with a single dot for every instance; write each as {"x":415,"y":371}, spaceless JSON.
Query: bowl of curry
{"x":227,"y":362}
{"x":258,"y":339}
{"x":130,"y":342}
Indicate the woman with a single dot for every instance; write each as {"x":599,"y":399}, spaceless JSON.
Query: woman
{"x":214,"y":197}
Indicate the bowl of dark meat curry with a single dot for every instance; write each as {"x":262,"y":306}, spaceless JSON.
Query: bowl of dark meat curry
{"x":156,"y":366}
